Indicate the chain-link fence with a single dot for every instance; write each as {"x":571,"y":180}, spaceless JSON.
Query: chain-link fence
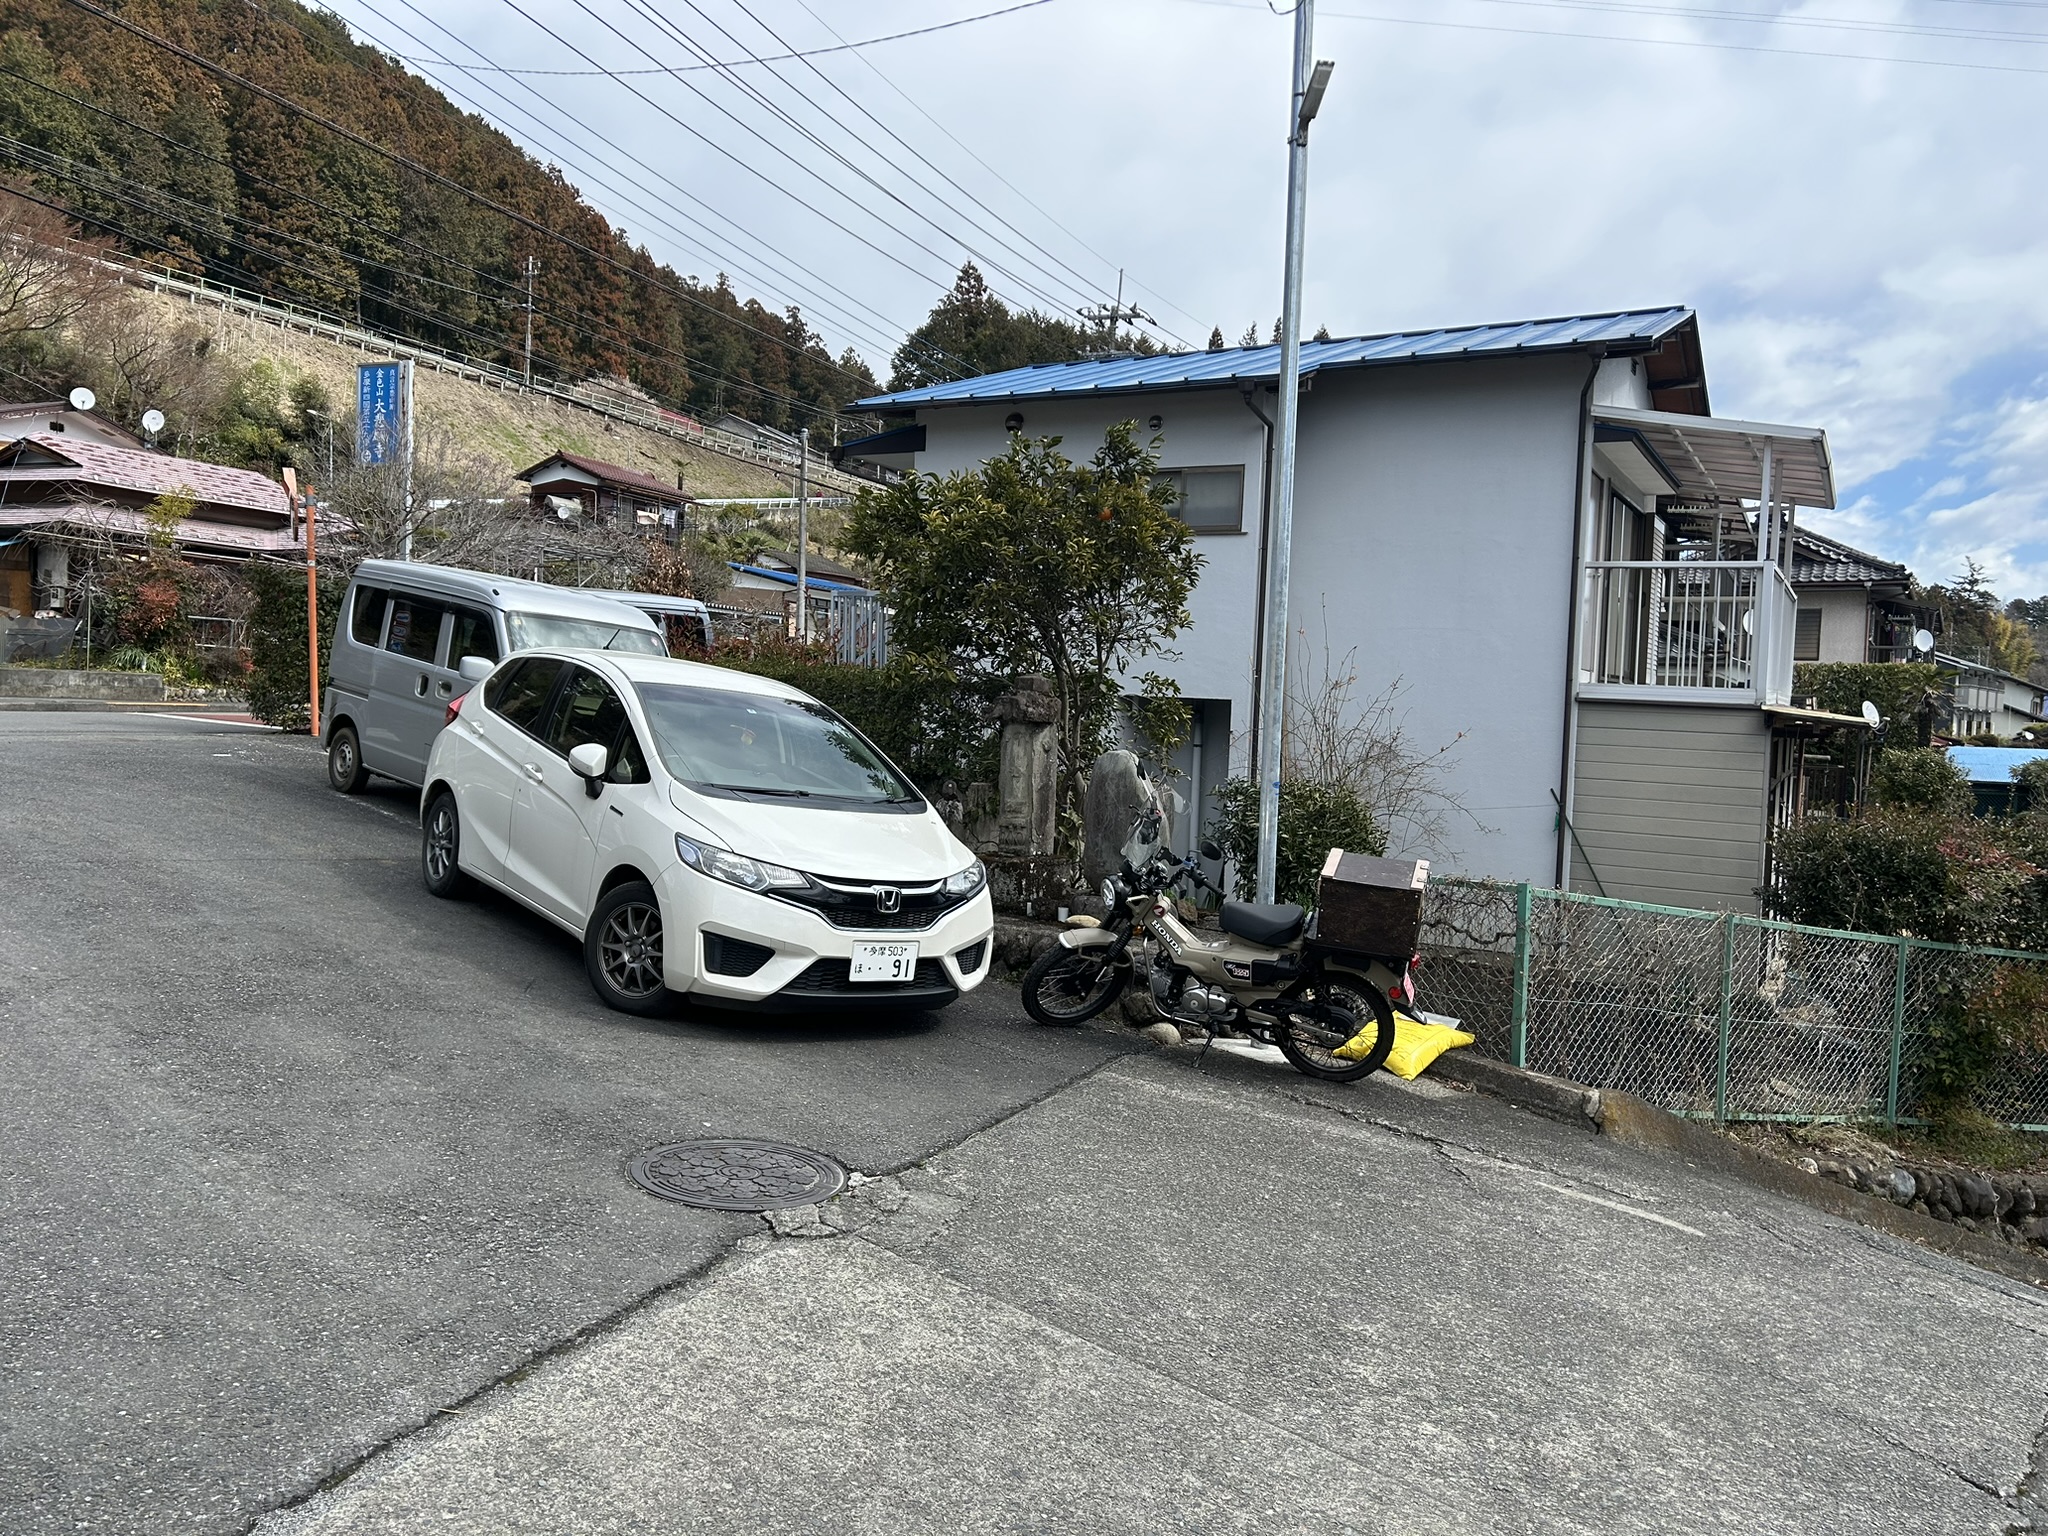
{"x":1714,"y":1014}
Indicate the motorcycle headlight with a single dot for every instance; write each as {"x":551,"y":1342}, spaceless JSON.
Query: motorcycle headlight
{"x":968,"y":881}
{"x":736,"y":869}
{"x":1112,"y":895}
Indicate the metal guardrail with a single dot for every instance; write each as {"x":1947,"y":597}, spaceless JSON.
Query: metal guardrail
{"x":636,"y":413}
{"x":1709,"y":1014}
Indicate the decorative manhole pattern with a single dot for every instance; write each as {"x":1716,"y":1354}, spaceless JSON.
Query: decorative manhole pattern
{"x":738,"y":1175}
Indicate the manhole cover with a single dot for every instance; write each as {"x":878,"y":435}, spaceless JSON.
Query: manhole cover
{"x":738,"y":1175}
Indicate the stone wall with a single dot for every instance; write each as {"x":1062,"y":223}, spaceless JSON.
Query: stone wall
{"x":2013,"y":1207}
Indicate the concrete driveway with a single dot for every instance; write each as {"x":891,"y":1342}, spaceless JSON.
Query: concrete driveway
{"x":293,"y":1154}
{"x":309,"y":1178}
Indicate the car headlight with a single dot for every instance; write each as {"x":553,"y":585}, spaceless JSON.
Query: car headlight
{"x":736,"y":869}
{"x":968,"y":881}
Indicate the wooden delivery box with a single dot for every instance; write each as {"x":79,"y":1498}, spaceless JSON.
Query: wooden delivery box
{"x":1369,"y":904}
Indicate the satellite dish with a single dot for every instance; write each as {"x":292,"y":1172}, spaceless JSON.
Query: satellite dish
{"x":1870,"y":714}
{"x":152,"y":421}
{"x":83,"y":399}
{"x":1923,"y":640}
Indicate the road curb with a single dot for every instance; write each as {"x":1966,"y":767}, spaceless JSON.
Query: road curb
{"x":1636,"y":1122}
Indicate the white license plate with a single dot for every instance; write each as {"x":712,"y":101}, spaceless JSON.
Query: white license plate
{"x":883,"y":962}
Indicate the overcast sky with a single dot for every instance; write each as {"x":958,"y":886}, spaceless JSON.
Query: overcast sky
{"x":1865,"y":238}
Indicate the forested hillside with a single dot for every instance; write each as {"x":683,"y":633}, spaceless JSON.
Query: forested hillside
{"x":213,"y":178}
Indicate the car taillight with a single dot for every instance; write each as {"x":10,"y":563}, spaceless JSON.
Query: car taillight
{"x":454,"y":709}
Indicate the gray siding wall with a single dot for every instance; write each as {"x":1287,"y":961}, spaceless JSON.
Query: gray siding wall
{"x":1670,"y":804}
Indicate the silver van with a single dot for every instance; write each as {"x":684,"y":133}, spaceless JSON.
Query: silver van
{"x":684,"y":620}
{"x":411,"y":639}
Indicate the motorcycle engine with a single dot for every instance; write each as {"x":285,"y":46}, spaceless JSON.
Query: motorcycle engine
{"x":1180,"y":996}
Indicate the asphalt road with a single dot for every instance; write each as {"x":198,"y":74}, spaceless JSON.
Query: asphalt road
{"x":294,"y":1156}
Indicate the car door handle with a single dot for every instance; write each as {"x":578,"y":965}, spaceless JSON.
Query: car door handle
{"x":420,"y":688}
{"x":533,"y":772}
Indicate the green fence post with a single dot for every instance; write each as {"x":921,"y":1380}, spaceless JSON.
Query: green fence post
{"x":1891,"y":1087}
{"x":1727,"y":1016}
{"x":1518,"y":1030}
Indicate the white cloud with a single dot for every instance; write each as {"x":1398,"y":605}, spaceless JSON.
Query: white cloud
{"x":1865,"y":241}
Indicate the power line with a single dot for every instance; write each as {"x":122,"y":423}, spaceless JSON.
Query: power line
{"x":875,"y":70}
{"x":152,"y":204}
{"x":808,"y":53}
{"x":846,"y":317}
{"x":360,"y":141}
{"x":1030,"y":285}
{"x":1658,"y":42}
{"x":1087,"y":284}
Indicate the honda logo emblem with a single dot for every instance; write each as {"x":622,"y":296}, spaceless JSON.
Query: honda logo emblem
{"x":887,"y":898}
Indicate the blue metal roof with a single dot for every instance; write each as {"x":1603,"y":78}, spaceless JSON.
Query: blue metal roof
{"x":1992,"y":765}
{"x":1627,"y":331}
{"x":788,"y":578}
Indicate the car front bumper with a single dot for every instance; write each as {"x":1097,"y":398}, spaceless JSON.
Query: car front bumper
{"x":807,"y":970}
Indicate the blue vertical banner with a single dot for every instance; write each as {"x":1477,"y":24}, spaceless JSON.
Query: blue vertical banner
{"x":380,"y":413}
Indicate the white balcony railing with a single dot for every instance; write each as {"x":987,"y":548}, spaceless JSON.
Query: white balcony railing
{"x":1715,"y":628}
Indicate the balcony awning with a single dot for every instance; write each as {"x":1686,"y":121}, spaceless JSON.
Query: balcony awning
{"x":1720,"y":462}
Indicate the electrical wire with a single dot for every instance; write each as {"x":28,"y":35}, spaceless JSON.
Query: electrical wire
{"x":888,"y":338}
{"x":340,"y":130}
{"x":876,"y":70}
{"x":1657,"y":42}
{"x":149,"y":200}
{"x":808,"y":53}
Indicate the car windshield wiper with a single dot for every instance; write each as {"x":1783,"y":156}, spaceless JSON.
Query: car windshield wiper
{"x":762,"y":789}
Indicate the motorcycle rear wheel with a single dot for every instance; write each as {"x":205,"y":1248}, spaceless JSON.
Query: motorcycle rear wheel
{"x":1331,"y":1014}
{"x":1070,"y":986}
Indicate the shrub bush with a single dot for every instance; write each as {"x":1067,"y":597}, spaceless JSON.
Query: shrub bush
{"x":1897,"y":688}
{"x":914,"y":708}
{"x":277,"y":680}
{"x":1314,"y":818}
{"x":1920,"y":779}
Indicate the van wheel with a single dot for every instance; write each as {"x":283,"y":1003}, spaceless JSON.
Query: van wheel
{"x":345,"y":770}
{"x":622,"y":950}
{"x":441,"y":847}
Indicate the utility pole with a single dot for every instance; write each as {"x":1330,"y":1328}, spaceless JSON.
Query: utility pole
{"x":1310,"y":81}
{"x":1110,"y":316}
{"x":803,"y":534}
{"x":532,"y":268}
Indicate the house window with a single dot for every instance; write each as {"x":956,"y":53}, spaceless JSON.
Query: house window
{"x":1806,"y":635}
{"x":1208,"y":499}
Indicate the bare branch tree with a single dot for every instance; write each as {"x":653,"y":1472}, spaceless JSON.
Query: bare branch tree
{"x":48,"y":273}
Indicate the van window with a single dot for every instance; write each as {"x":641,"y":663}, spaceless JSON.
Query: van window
{"x":474,"y":635}
{"x":586,"y":710}
{"x":520,"y":692}
{"x":529,"y":630}
{"x":415,"y":628}
{"x":366,"y":624}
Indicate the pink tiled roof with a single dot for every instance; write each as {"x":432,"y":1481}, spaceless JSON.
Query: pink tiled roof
{"x":153,"y":474}
{"x":123,"y":522}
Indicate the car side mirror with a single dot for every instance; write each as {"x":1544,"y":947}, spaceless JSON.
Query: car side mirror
{"x":1210,"y":851}
{"x":474,"y":669}
{"x":590,"y":761}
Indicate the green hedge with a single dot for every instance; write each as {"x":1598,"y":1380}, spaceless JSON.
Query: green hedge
{"x":277,"y":684}
{"x":1897,"y":688}
{"x":1314,"y":818}
{"x":914,"y":709}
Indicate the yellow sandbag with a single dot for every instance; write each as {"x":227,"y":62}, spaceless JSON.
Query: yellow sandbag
{"x":1416,"y":1044}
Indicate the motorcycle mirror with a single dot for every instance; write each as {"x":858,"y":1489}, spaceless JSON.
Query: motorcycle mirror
{"x":1210,"y":851}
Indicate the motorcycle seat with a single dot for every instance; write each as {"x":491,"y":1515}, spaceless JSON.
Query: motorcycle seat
{"x":1272,"y":925}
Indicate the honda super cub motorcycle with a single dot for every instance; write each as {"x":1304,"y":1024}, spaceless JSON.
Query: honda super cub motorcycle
{"x":1267,"y":975}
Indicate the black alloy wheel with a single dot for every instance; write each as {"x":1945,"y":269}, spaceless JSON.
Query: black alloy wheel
{"x":345,"y":770}
{"x":1328,"y":1015}
{"x":622,"y":950}
{"x":1070,"y":986}
{"x":441,"y":847}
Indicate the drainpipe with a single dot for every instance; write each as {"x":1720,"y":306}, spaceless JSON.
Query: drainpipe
{"x":1569,"y":751}
{"x":1265,"y":519}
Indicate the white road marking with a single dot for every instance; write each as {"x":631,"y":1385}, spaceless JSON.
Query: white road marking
{"x":1616,"y":1205}
{"x":246,"y":725}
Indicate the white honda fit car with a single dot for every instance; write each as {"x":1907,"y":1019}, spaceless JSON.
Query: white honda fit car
{"x":706,"y":833}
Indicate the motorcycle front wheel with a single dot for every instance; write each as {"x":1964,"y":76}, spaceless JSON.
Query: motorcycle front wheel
{"x":1351,"y":1015}
{"x":1070,"y":986}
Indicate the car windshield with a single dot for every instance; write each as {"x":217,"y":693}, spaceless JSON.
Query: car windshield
{"x":530,"y":630}
{"x":722,"y":740}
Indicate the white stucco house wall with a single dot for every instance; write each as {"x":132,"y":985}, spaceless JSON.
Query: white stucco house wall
{"x":1537,"y":528}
